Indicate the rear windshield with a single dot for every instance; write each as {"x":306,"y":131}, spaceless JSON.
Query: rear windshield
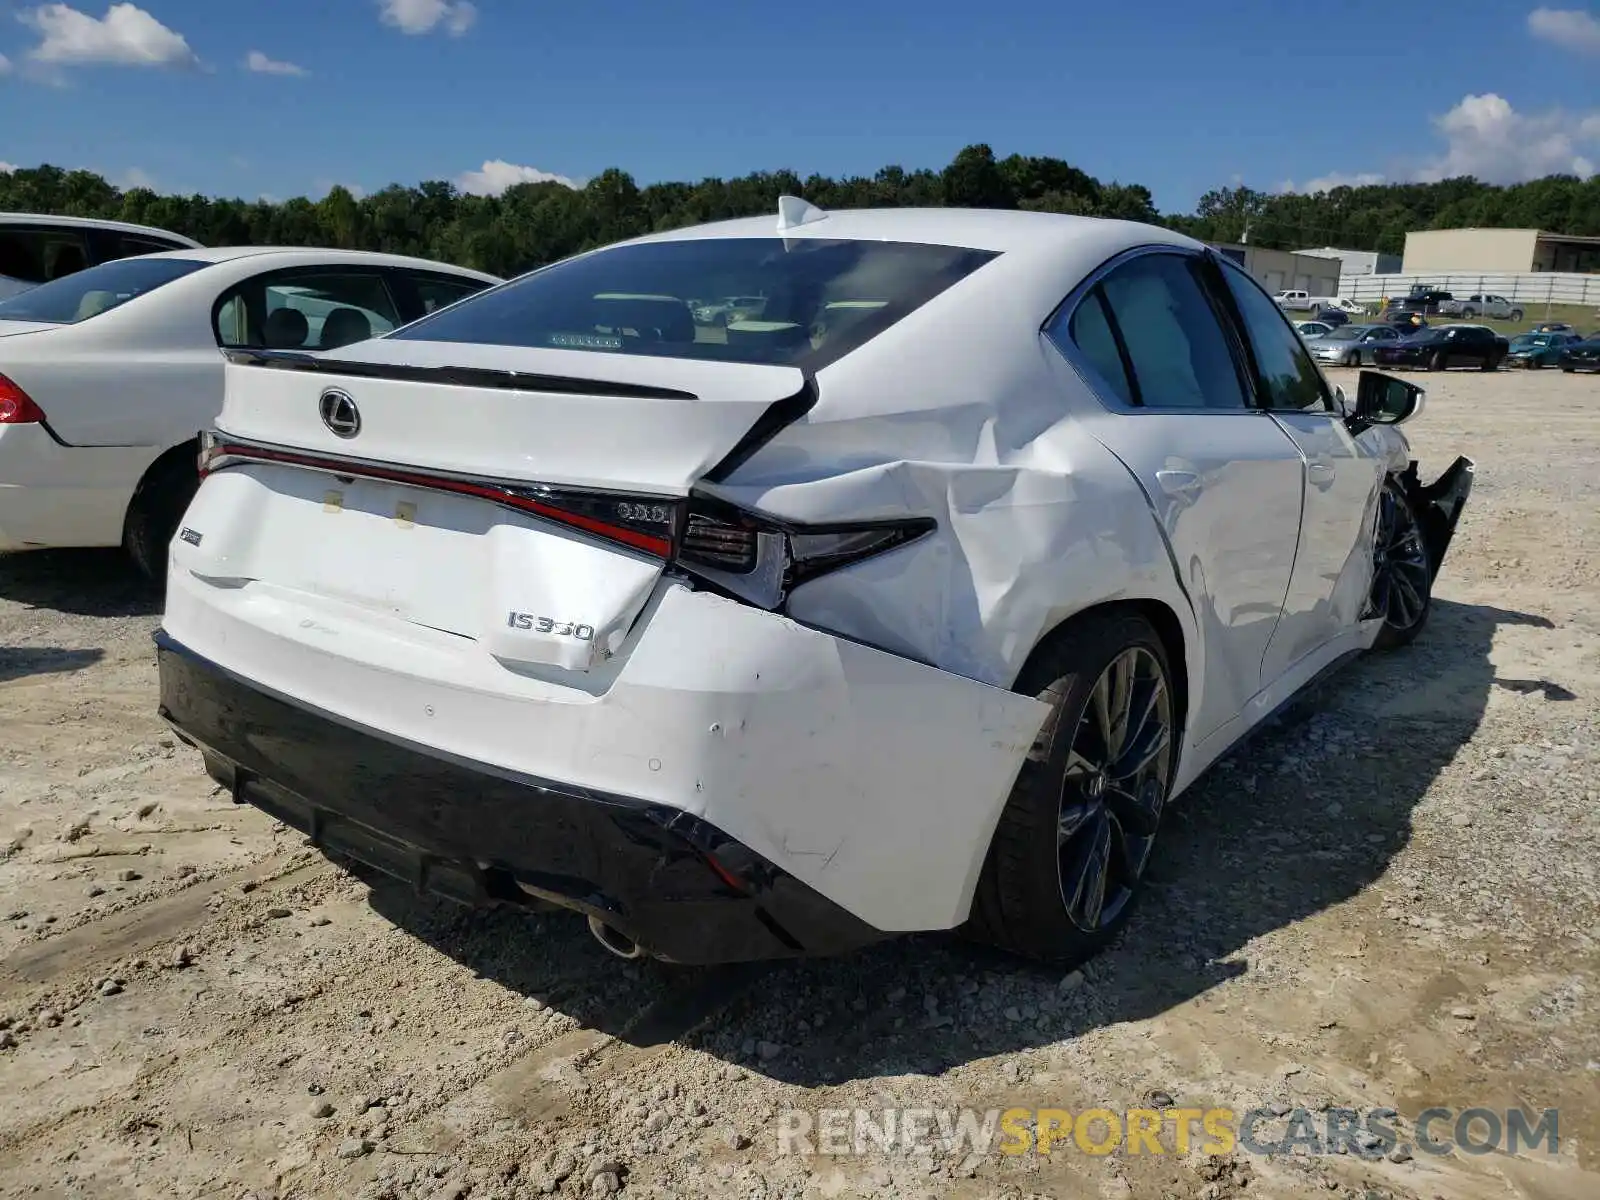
{"x":803,"y":303}
{"x":85,"y":294}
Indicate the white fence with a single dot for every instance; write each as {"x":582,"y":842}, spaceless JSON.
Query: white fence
{"x":1530,"y":289}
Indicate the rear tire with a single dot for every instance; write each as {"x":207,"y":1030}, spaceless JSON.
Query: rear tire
{"x":157,"y":508}
{"x":1516,"y":315}
{"x":1072,"y":844}
{"x":1436,"y":362}
{"x":1402,"y":576}
{"x":1489,"y":364}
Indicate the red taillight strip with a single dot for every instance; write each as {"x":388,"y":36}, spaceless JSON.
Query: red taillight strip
{"x":225,"y":453}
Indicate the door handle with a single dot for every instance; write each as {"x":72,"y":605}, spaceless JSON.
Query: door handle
{"x":1321,"y":472}
{"x":1179,"y":483}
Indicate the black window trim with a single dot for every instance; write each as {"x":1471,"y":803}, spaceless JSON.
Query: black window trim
{"x":313,"y":269}
{"x":1257,"y":385}
{"x":408,"y":300}
{"x":1101,"y":388}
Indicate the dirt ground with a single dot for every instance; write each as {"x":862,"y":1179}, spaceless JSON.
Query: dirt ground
{"x":1387,"y":899}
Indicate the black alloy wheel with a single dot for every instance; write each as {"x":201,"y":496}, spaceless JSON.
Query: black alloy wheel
{"x":1402,"y":577}
{"x":1113,"y":789}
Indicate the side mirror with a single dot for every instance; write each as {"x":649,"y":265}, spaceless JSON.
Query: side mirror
{"x":1384,"y":400}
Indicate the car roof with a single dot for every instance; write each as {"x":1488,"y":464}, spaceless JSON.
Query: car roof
{"x":19,"y":218}
{"x":311,"y":256}
{"x":975,"y":228}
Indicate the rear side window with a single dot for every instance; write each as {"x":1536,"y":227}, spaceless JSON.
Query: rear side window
{"x":305,"y":310}
{"x":1169,"y":346}
{"x":801,"y":302}
{"x":86,"y":294}
{"x":31,"y":256}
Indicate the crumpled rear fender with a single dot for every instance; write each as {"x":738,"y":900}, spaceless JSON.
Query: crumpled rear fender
{"x":1438,"y":505}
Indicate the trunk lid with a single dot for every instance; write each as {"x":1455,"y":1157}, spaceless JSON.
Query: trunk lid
{"x":438,"y":519}
{"x":627,"y":423}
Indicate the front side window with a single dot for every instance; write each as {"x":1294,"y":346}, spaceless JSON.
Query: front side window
{"x":801,"y":302}
{"x":305,"y":310}
{"x":436,"y":291}
{"x":1286,"y":378}
{"x":89,"y":293}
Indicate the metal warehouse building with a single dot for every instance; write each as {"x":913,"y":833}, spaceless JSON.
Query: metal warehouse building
{"x":1285,"y":270}
{"x":1499,"y":250}
{"x":1357,"y":262}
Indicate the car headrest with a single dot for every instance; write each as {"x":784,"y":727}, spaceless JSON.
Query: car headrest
{"x":286,"y":329}
{"x":344,"y":326}
{"x":656,"y":318}
{"x":69,"y":261}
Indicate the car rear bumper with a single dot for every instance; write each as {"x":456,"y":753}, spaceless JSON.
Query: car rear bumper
{"x":672,"y":883}
{"x":872,"y":780}
{"x":56,"y":495}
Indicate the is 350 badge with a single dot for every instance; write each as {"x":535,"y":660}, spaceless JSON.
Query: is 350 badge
{"x":522,"y":620}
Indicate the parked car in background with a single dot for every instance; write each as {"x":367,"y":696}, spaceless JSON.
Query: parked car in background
{"x":1405,"y":319}
{"x":108,"y":375}
{"x":1348,"y":307}
{"x":1294,"y":301}
{"x":35,"y":248}
{"x":551,"y":595}
{"x":1446,"y":346}
{"x":1352,"y":345}
{"x":1581,"y":356}
{"x":1538,"y":349}
{"x":1554,"y":327}
{"x":1477,"y":305}
{"x":1332,"y":316}
{"x":1312,"y":329}
{"x":1421,"y":298}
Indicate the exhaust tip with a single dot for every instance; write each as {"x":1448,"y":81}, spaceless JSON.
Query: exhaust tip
{"x":614,"y":940}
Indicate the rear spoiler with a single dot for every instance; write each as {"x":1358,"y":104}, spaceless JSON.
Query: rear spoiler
{"x":513,"y":381}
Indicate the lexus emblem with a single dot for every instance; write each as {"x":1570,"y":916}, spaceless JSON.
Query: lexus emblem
{"x":339,"y":413}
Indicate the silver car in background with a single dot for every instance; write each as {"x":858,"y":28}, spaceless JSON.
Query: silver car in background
{"x":1352,"y":345}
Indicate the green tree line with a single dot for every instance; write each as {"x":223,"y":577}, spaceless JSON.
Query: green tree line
{"x":535,"y":223}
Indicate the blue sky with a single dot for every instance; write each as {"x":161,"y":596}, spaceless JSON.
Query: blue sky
{"x":289,"y":96}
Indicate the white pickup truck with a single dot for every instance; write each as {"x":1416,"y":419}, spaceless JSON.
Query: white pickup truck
{"x":1294,"y":301}
{"x":1481,"y":306}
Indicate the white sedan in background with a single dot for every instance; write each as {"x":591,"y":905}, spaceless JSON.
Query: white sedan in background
{"x":107,"y":375}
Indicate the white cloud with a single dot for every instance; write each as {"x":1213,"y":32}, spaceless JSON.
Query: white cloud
{"x":1569,"y":28}
{"x":1486,"y":137}
{"x":1326,"y":183}
{"x":262,"y":65}
{"x":126,"y":35}
{"x":132,"y":178}
{"x":321,"y":187}
{"x":5,"y":166}
{"x":496,"y":175}
{"x":5,"y":65}
{"x":424,"y":16}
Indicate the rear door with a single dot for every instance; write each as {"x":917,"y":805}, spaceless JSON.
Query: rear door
{"x":1333,"y":567}
{"x":1223,"y":478}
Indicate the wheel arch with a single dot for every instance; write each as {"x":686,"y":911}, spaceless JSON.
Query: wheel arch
{"x":162,"y":462}
{"x":1168,"y":626}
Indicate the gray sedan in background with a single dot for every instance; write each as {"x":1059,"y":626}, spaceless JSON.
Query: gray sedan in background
{"x":1352,"y":345}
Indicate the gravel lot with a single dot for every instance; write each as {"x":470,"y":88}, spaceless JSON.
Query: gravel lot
{"x":1387,"y":899}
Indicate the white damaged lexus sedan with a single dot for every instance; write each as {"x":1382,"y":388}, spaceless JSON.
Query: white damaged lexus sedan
{"x":905,"y":598}
{"x":108,"y":375}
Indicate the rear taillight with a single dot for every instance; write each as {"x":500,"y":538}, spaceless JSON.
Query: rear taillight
{"x":761,"y":560}
{"x":16,"y":406}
